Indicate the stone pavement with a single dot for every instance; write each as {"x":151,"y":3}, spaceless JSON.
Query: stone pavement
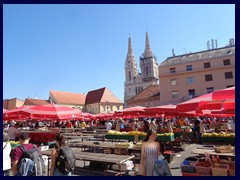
{"x":179,"y":155}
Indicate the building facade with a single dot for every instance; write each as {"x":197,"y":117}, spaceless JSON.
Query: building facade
{"x":136,"y":82}
{"x":102,"y":101}
{"x":12,"y":103}
{"x":149,"y":97}
{"x":190,"y":75}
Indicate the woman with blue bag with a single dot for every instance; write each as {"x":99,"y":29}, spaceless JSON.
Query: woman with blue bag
{"x":150,"y":151}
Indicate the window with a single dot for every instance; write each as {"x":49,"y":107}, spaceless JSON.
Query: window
{"x":191,"y":92}
{"x":210,"y":89}
{"x":173,"y":82}
{"x":208,"y":77}
{"x":129,"y":75}
{"x":207,"y":65}
{"x":190,"y":80}
{"x":174,"y":94}
{"x":226,"y":62}
{"x":146,"y":71}
{"x":189,"y":67}
{"x":228,"y":75}
{"x":172,"y":70}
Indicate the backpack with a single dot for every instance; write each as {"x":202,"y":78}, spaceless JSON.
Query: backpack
{"x":65,"y":160}
{"x":32,"y":163}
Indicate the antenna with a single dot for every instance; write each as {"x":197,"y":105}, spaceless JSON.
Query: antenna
{"x":212,"y":43}
{"x":208,"y":45}
{"x":173,"y":54}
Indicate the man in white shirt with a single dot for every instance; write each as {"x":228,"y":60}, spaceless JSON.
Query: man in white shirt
{"x":109,"y":126}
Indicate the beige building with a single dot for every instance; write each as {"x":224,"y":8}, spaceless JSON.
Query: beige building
{"x":74,"y":100}
{"x":97,"y":101}
{"x":102,"y":101}
{"x":12,"y":103}
{"x":190,"y":75}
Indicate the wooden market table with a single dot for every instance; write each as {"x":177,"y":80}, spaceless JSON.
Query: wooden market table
{"x":96,"y":157}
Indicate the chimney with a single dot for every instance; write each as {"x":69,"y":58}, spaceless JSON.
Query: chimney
{"x":216,"y":43}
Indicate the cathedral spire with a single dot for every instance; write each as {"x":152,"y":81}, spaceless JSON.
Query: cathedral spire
{"x":130,"y":52}
{"x":148,"y":51}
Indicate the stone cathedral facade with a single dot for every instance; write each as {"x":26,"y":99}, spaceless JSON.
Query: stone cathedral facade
{"x":135,"y":81}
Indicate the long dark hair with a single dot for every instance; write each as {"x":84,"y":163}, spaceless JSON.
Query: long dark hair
{"x":149,"y":133}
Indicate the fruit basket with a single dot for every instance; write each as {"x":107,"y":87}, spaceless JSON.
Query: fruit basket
{"x":203,"y":168}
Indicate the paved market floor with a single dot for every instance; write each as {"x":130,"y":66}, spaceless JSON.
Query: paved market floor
{"x":180,"y":154}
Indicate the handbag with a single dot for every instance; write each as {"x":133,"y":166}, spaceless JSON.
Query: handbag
{"x":161,"y":167}
{"x":161,"y":157}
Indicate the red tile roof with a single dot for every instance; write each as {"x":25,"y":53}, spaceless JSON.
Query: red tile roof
{"x":67,"y":97}
{"x":101,"y":95}
{"x":29,"y":102}
{"x":151,"y":92}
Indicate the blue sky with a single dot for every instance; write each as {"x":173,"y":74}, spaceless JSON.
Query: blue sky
{"x":79,"y":48}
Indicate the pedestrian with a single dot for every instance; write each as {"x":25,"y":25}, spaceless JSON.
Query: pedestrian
{"x":17,"y":154}
{"x":60,"y":143}
{"x":108,"y":125}
{"x":118,"y":125}
{"x":6,"y":155}
{"x":150,"y":151}
{"x":13,"y":132}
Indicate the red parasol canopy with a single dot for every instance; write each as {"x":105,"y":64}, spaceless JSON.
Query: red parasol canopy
{"x":216,"y":100}
{"x":161,"y":109}
{"x":222,"y":94}
{"x":132,"y":111}
{"x":14,"y":114}
{"x":193,"y":104}
{"x":51,"y":112}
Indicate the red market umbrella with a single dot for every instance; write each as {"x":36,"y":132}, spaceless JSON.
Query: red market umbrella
{"x":193,"y":104}
{"x":134,"y":111}
{"x":222,"y":94}
{"x":51,"y":112}
{"x":227,"y":104}
{"x":14,"y":114}
{"x":223,"y":98}
{"x":164,"y":109}
{"x":4,"y":111}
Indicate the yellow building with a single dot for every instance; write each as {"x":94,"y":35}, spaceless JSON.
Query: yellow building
{"x":190,"y":75}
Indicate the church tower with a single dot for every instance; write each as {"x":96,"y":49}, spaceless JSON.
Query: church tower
{"x":148,"y":64}
{"x":132,"y":76}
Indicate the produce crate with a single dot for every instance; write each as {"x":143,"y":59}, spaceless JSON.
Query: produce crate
{"x":187,"y":168}
{"x":219,"y":171}
{"x":192,"y":174}
{"x":202,"y":170}
{"x":107,"y":150}
{"x":165,"y":138}
{"x":119,"y":151}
